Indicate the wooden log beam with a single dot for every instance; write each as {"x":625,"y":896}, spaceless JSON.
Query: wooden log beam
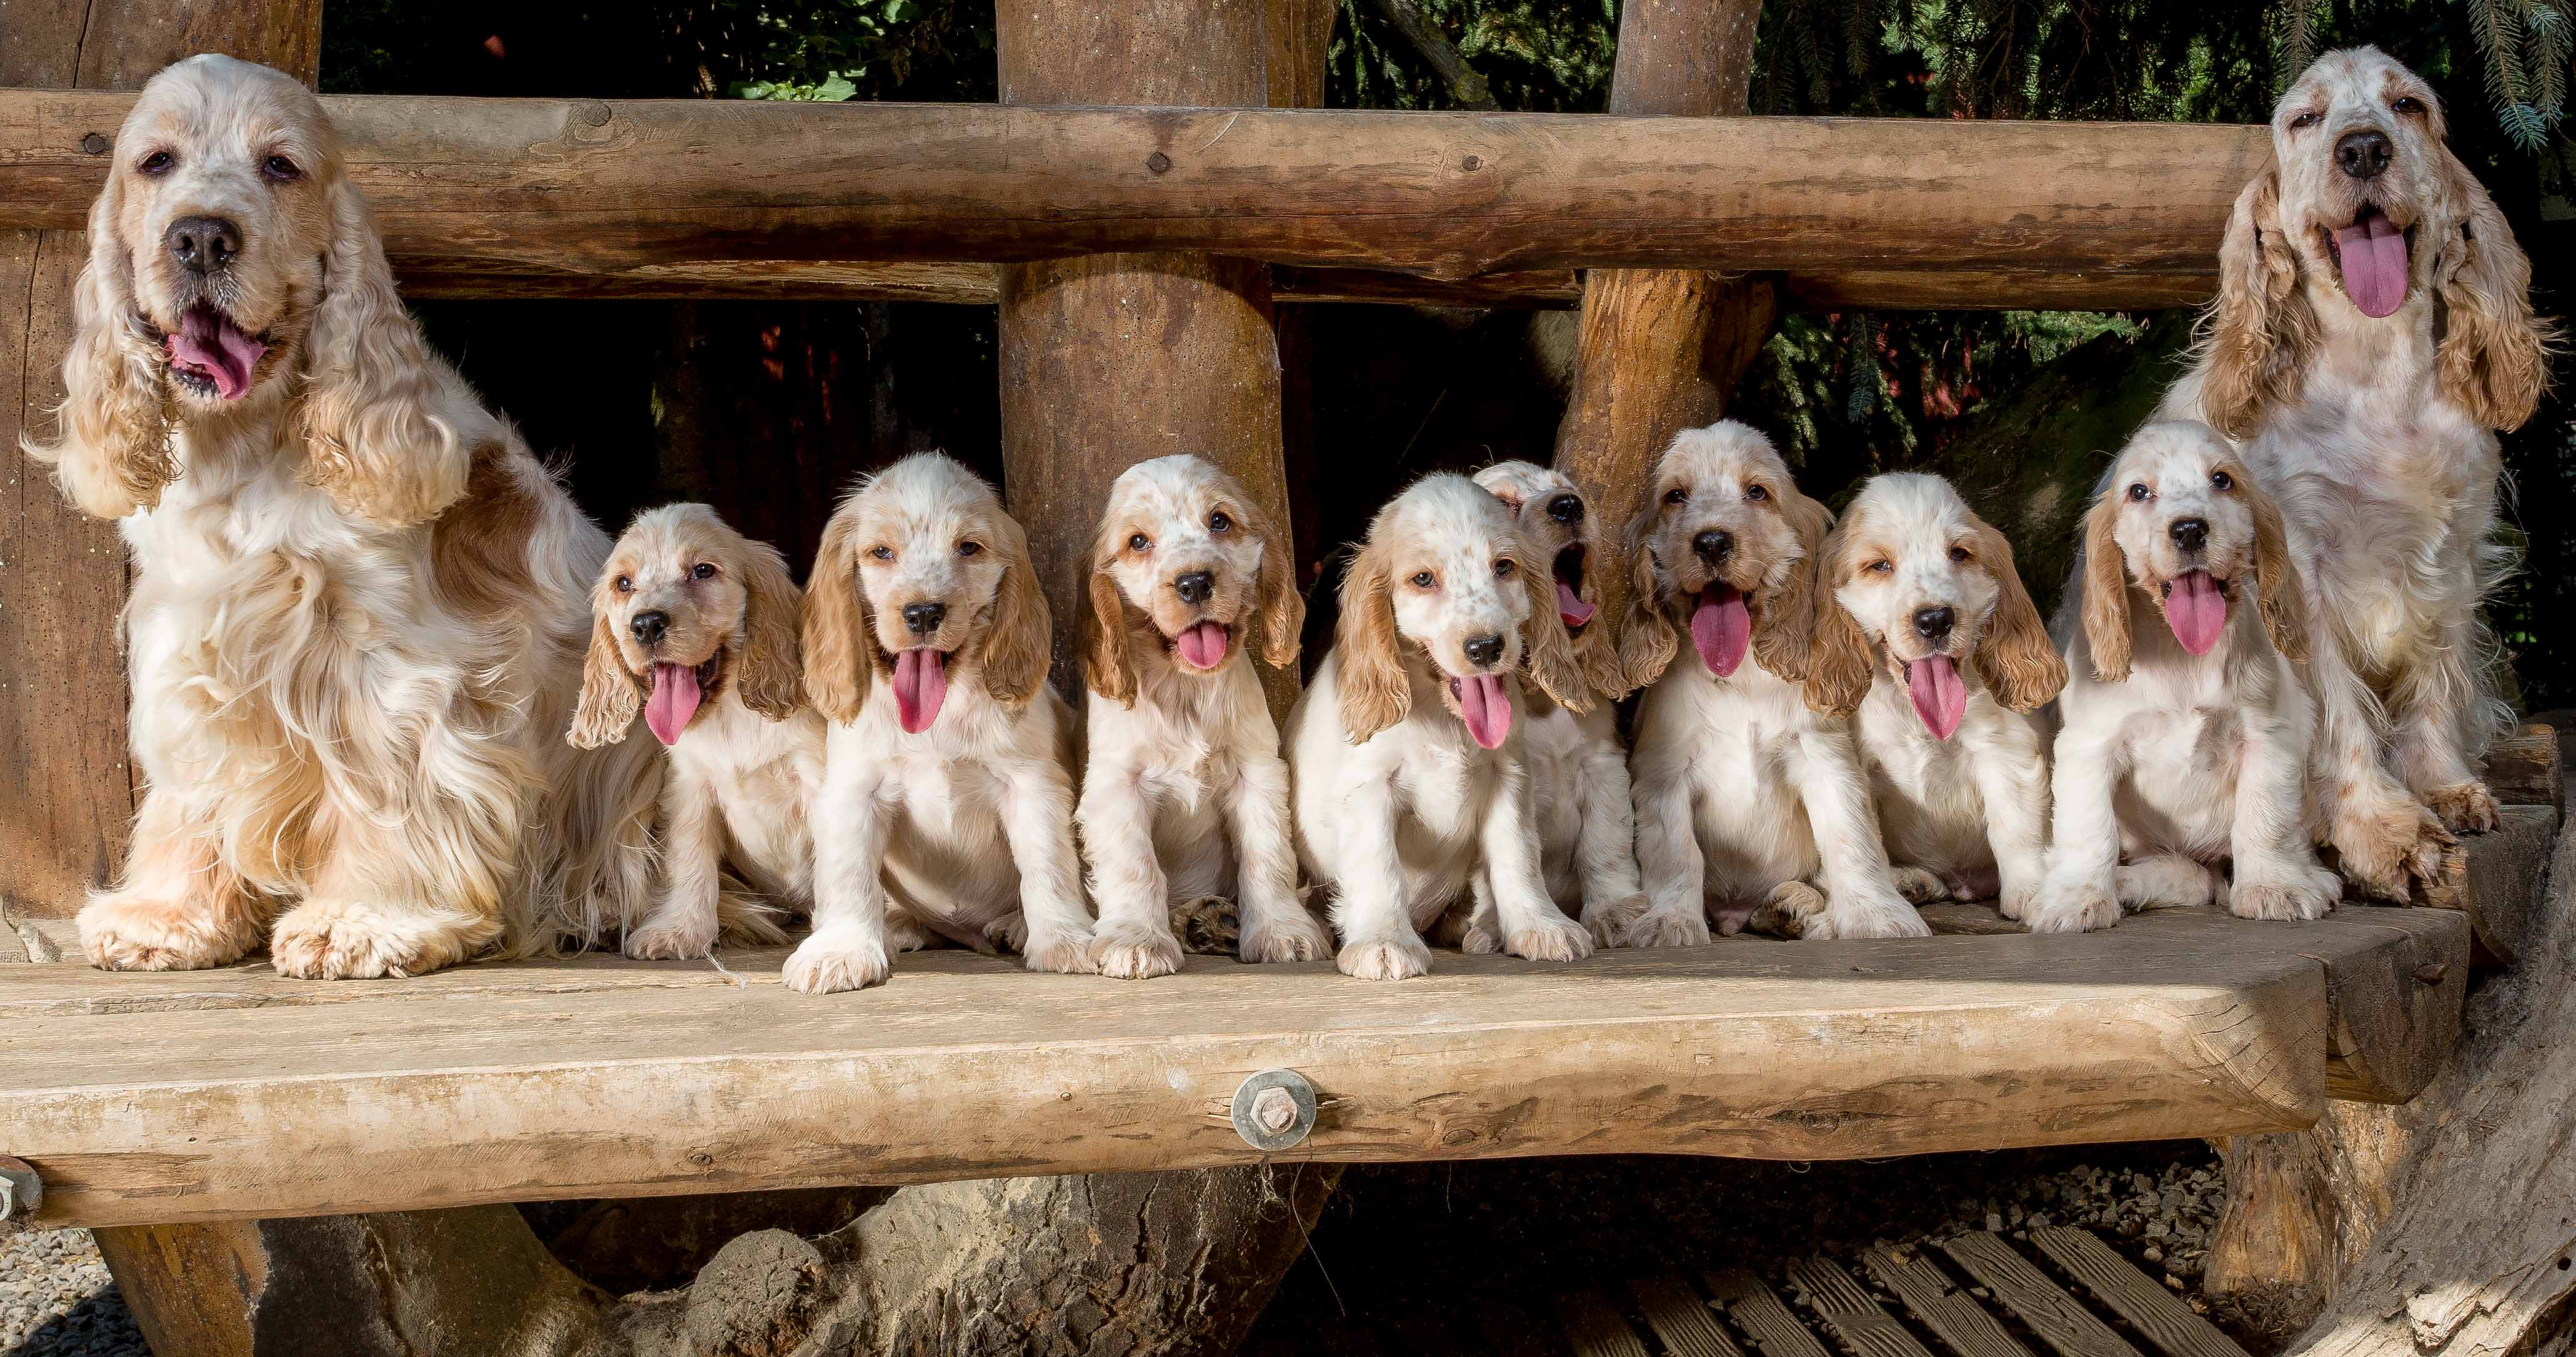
{"x":2084,"y":213}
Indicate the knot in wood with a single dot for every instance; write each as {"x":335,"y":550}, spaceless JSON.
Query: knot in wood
{"x":593,"y":112}
{"x":95,"y":144}
{"x":2431,"y":973}
{"x":1158,"y":162}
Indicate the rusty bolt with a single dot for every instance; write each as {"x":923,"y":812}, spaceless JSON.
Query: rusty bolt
{"x":1274,"y":1110}
{"x":95,"y":144}
{"x":1158,"y":162}
{"x":2431,"y":972}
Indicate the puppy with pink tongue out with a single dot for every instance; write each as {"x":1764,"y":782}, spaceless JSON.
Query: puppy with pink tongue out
{"x":2183,"y":749}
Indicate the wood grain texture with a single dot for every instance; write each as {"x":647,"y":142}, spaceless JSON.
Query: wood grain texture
{"x":2106,"y":214}
{"x":1680,"y":1320}
{"x":2065,"y":1325}
{"x":1762,"y":1315}
{"x":2522,"y":767}
{"x":2495,"y":879}
{"x":2396,"y":1008}
{"x":1849,"y":1313}
{"x":1945,"y":1308}
{"x":2150,"y":1308}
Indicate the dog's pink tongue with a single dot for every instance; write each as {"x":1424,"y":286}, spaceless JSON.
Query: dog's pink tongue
{"x":674,"y":701}
{"x":216,"y":349}
{"x":2374,"y":265}
{"x":1571,"y":610}
{"x":920,"y":684}
{"x":1939,"y":697}
{"x":1721,"y":628}
{"x":1486,"y":708}
{"x":1202,"y":646}
{"x":2196,"y":611}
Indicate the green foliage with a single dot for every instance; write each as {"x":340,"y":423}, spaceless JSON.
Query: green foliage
{"x":1546,"y":56}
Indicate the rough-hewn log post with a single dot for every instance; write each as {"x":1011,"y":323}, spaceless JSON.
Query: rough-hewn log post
{"x":1661,"y":350}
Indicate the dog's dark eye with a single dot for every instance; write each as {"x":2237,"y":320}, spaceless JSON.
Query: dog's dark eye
{"x":281,"y":169}
{"x":1565,"y":509}
{"x":703,"y":570}
{"x":1879,"y":567}
{"x":1218,"y":522}
{"x":2220,"y":480}
{"x":969,"y":548}
{"x":1424,"y":580}
{"x":2304,"y":120}
{"x":882,"y":553}
{"x":1677,"y":495}
{"x":1756,"y":493}
{"x":156,"y":164}
{"x":1503,"y":568}
{"x":2407,"y":105}
{"x":2140,"y":493}
{"x":1140,"y":542}
{"x":625,"y":584}
{"x":1959,"y":555}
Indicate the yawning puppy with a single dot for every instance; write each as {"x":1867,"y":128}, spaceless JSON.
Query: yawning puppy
{"x":696,"y":624}
{"x":1185,"y":794}
{"x":1926,"y":632}
{"x":2186,"y":730}
{"x":1411,"y":779}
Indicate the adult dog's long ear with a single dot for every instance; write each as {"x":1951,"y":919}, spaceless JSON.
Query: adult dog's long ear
{"x":2015,"y":657}
{"x":111,"y":448}
{"x":1276,"y":604}
{"x":1646,"y":639}
{"x":1375,"y":691}
{"x":1785,"y":629}
{"x":1021,"y":639}
{"x":375,"y":438}
{"x":1553,"y":664}
{"x":2494,"y":356}
{"x":2285,"y":607}
{"x":610,"y":696}
{"x":2106,"y":589}
{"x":1108,"y":659}
{"x":1840,"y":658}
{"x":773,"y":655}
{"x":839,"y":647}
{"x":2257,"y":336}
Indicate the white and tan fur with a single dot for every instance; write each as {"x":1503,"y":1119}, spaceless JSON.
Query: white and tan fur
{"x":1914,"y":578}
{"x":1745,"y":798}
{"x":1578,"y":768}
{"x":2174,"y":762}
{"x":683,"y":591}
{"x":968,"y":822}
{"x":2376,"y":439}
{"x":1185,"y":794}
{"x":358,"y":605}
{"x":1401,"y":811}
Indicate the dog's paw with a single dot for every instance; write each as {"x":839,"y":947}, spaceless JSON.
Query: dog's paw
{"x":345,"y":940}
{"x":2290,"y":894}
{"x":2389,"y":848}
{"x":2074,"y":908}
{"x":1294,"y":935}
{"x":1669,"y":928}
{"x":1920,"y":887}
{"x":831,"y":962}
{"x":1552,"y":937}
{"x":1394,"y":960}
{"x":2465,"y":808}
{"x":1133,"y":952}
{"x":1855,"y":914}
{"x":1792,"y":910}
{"x":684,"y":940}
{"x":1609,"y":922}
{"x":2166,"y":879}
{"x":1207,"y":925}
{"x":129,"y":933}
{"x":1478,"y":939}
{"x":2017,"y":902}
{"x":1068,"y":953}
{"x":905,"y":933}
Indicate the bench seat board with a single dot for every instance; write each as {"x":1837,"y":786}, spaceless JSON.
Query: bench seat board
{"x":236,"y":1093}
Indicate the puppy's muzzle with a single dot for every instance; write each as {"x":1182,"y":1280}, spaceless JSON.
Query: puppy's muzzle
{"x":2190,"y":534}
{"x":921,"y":619}
{"x":1484,"y":651}
{"x":650,"y":628}
{"x":1195,"y":587}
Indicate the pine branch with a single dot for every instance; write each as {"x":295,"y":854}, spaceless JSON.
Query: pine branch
{"x":1465,"y":86}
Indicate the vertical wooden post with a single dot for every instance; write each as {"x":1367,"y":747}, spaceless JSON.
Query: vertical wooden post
{"x":1661,"y":350}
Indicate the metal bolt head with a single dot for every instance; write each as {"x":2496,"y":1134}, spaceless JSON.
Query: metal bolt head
{"x":1273,"y":1110}
{"x":21,"y":1191}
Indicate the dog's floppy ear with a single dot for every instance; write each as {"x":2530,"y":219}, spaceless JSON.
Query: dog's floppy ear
{"x":2494,"y":356}
{"x":1646,"y":638}
{"x":1785,"y":629}
{"x":2285,"y":609}
{"x":1375,"y":693}
{"x":1552,"y":661}
{"x":111,"y":448}
{"x":610,"y":696}
{"x":773,"y":658}
{"x":2106,"y":589}
{"x":839,"y":648}
{"x":2015,"y":655}
{"x":1840,"y":657}
{"x":375,"y":439}
{"x":1108,"y":661}
{"x":1021,"y":640}
{"x":1277,"y":606}
{"x":2257,"y":336}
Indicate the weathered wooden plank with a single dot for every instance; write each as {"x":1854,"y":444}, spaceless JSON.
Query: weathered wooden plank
{"x":2396,"y":1007}
{"x":2058,"y":1318}
{"x":1762,"y":1315}
{"x":1681,"y":1320}
{"x":1595,"y":1328}
{"x":1849,"y":1313}
{"x":2522,"y":767}
{"x":1946,"y":1309}
{"x":2133,"y":1296}
{"x":2495,"y":879}
{"x":592,"y":188}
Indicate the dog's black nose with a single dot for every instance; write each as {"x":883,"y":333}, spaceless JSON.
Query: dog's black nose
{"x":1485,"y":650}
{"x":202,"y":244}
{"x":1712,"y":546}
{"x":924,"y":618}
{"x":650,"y":628}
{"x":2364,"y":154}
{"x":1933,"y":624}
{"x":2191,"y":534}
{"x":1566,"y":508}
{"x":1194,"y":586}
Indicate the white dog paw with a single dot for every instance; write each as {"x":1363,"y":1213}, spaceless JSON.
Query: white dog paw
{"x":829,"y":963}
{"x":1293,"y":937}
{"x":345,"y":940}
{"x":1551,"y":939}
{"x":1609,"y":923}
{"x":2288,"y":900}
{"x":1479,"y":939}
{"x":2016,"y":902}
{"x":127,"y":933}
{"x":1133,"y":952}
{"x":1851,"y":914}
{"x":1669,"y":928}
{"x":2074,"y":909}
{"x":1067,"y":953}
{"x":688,"y":940}
{"x":1920,"y":887}
{"x":1398,"y":960}
{"x":905,"y":933}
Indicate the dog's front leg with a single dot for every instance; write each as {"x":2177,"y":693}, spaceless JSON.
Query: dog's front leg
{"x":2433,"y":723}
{"x":1669,"y":861}
{"x":1531,"y":924}
{"x":683,"y":921}
{"x":1861,"y":899}
{"x":1276,"y":925}
{"x":2080,"y":893}
{"x":2385,"y":838}
{"x":2012,"y":781}
{"x":175,"y":907}
{"x":852,"y":819}
{"x":2277,"y":872}
{"x":1037,"y":820}
{"x":1605,"y":849}
{"x":1379,"y":941}
{"x":1135,"y":940}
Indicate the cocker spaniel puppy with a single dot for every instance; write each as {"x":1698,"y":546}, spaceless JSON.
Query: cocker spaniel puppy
{"x":695,"y":627}
{"x":1925,"y":634}
{"x":948,"y":768}
{"x":1412,"y":781}
{"x":1185,"y":794}
{"x":1587,"y":831}
{"x":358,"y":605}
{"x":2186,"y":731}
{"x":2373,"y":330}
{"x":1745,"y":798}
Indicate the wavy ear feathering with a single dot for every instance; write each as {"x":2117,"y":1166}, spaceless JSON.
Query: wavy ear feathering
{"x":1275,"y":601}
{"x":840,"y":649}
{"x":1841,"y":660}
{"x":2494,"y":355}
{"x":2106,"y":590}
{"x":2285,"y":610}
{"x":1786,"y":626}
{"x":2257,"y":336}
{"x":1375,"y":691}
{"x":1022,"y":637}
{"x":2015,"y":657}
{"x":1108,"y":660}
{"x":610,"y":696}
{"x":1647,"y":642}
{"x":1552,"y":663}
{"x":111,"y":453}
{"x":773,"y":658}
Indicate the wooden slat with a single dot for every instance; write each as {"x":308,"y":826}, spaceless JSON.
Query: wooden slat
{"x":1680,"y":1320}
{"x":2134,"y":1296}
{"x":1762,"y":1315}
{"x":1849,"y":1313}
{"x":1944,"y":1307}
{"x":2059,"y":1319}
{"x":2522,"y":767}
{"x":1595,"y":1328}
{"x":2101,"y":214}
{"x":2495,"y":879}
{"x":2396,"y":1008}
